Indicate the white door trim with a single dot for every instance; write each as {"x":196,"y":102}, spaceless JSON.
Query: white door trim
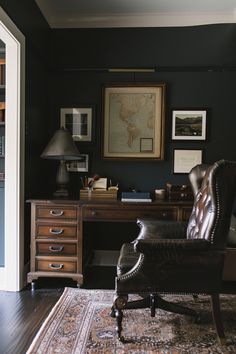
{"x":11,"y":276}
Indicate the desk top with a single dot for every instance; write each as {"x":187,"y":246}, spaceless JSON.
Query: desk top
{"x":112,"y":202}
{"x":115,"y":210}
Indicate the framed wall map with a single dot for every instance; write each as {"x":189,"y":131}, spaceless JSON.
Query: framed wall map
{"x":133,"y":121}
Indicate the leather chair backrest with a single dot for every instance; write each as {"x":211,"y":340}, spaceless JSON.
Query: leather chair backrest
{"x":196,"y":176}
{"x":213,"y":203}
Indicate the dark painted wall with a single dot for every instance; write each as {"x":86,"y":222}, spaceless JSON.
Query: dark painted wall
{"x":182,"y":57}
{"x":196,"y":63}
{"x":138,"y":47}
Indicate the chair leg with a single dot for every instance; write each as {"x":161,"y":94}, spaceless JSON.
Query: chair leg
{"x":138,"y":304}
{"x":216,"y":314}
{"x":152,"y":301}
{"x":176,"y":308}
{"x":153,"y":305}
{"x":116,"y":311}
{"x":119,"y":317}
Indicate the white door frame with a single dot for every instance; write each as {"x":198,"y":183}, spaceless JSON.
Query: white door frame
{"x":11,"y":276}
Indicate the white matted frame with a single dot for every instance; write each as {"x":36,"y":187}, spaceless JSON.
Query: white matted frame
{"x":133,"y":121}
{"x":79,"y":121}
{"x":189,"y":124}
{"x":79,"y":166}
{"x":185,"y":160}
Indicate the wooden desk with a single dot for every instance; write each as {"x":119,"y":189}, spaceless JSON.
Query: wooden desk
{"x":57,"y":230}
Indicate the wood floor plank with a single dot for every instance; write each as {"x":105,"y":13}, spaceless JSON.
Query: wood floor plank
{"x":21,"y":315}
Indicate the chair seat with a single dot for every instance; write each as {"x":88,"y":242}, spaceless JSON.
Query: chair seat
{"x":127,"y":259}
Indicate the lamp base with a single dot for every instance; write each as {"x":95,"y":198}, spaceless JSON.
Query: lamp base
{"x":62,"y":181}
{"x":61,"y":193}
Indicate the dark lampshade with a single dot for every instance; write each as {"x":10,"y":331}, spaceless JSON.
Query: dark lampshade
{"x":62,"y":147}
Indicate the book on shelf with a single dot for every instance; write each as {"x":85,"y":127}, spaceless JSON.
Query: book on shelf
{"x":2,"y":71}
{"x":2,"y":145}
{"x":137,"y":197}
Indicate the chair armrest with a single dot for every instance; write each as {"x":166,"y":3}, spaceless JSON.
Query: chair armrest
{"x":155,"y":245}
{"x":161,"y":229}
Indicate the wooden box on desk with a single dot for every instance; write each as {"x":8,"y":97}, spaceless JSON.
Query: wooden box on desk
{"x":95,"y":194}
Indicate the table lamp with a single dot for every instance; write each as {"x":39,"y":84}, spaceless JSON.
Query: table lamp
{"x":62,"y":147}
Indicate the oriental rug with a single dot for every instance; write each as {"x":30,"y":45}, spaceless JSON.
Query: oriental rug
{"x":80,"y":323}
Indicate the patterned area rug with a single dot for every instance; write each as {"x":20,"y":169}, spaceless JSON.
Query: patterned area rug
{"x":80,"y":323}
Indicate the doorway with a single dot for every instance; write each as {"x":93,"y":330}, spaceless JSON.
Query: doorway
{"x":12,"y":269}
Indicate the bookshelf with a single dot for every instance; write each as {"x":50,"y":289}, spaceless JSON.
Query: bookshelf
{"x":2,"y":151}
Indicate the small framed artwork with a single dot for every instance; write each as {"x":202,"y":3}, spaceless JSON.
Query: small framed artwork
{"x":185,"y":160}
{"x":189,"y":124}
{"x":79,"y":166}
{"x":133,"y":121}
{"x":80,"y":122}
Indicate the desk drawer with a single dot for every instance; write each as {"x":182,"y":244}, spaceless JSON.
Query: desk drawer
{"x":56,"y":249}
{"x":129,"y":214}
{"x":56,"y":212}
{"x":186,"y":213}
{"x":56,"y":231}
{"x":59,"y":266}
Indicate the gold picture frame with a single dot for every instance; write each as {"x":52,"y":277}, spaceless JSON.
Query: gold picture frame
{"x":133,"y":121}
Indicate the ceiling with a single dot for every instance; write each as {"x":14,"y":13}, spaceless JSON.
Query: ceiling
{"x":136,"y":13}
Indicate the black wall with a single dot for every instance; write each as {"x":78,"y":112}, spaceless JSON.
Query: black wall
{"x":68,"y":68}
{"x":196,"y":63}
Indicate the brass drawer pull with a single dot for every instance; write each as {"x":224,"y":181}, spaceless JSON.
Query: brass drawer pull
{"x":56,"y":212}
{"x":56,"y":231}
{"x":56,"y":248}
{"x":56,"y":266}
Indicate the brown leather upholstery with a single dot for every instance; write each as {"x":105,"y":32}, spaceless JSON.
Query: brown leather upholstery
{"x":172,"y":257}
{"x":229,"y":272}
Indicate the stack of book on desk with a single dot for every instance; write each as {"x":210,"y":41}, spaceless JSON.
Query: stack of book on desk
{"x":137,"y":197}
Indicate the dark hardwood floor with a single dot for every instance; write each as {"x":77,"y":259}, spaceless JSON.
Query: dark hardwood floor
{"x":22,"y":313}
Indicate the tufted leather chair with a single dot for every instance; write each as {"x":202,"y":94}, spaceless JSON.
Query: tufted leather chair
{"x":179,"y":257}
{"x":196,"y":176}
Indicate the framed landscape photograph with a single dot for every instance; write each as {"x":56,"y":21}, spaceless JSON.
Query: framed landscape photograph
{"x":185,"y":160}
{"x":189,"y":124}
{"x":79,"y":121}
{"x":133,"y":121}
